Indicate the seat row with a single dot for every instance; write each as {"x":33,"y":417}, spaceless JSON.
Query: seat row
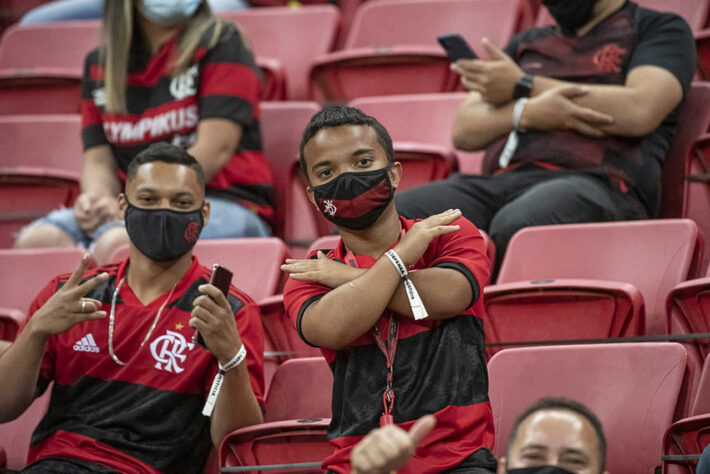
{"x":390,"y":48}
{"x":632,"y":387}
{"x":35,"y":180}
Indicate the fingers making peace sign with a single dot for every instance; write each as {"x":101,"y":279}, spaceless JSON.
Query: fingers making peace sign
{"x":68,"y":307}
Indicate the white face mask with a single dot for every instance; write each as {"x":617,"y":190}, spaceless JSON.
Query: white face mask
{"x":169,"y":12}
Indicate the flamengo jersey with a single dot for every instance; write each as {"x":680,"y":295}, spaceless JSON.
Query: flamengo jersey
{"x":439,"y":366}
{"x":222,"y":82}
{"x":145,"y":416}
{"x":631,"y":37}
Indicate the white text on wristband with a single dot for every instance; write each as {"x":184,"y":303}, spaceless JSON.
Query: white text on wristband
{"x":415,"y":301}
{"x":219,"y":378}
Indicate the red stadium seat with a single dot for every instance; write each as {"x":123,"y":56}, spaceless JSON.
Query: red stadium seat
{"x":701,"y":404}
{"x":282,"y":125}
{"x":40,"y":167}
{"x":392,"y":49}
{"x":688,"y":311}
{"x":631,"y":387}
{"x":26,"y":272}
{"x":41,"y":66}
{"x":541,"y":259}
{"x":684,"y":194}
{"x":421,"y":118}
{"x":289,"y":398}
{"x":255,"y":262}
{"x":303,"y":34}
{"x":296,"y":414}
{"x":684,"y":442}
{"x":695,"y":12}
{"x":15,"y":435}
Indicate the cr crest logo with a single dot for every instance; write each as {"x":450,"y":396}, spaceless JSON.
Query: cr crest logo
{"x":184,"y":85}
{"x":169,"y":351}
{"x":330,"y":208}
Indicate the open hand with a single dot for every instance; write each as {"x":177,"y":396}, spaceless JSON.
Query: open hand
{"x":415,"y":242}
{"x":322,"y":270}
{"x":555,"y":109}
{"x":68,"y":307}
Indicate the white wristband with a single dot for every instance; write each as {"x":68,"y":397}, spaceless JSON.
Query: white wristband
{"x":219,"y":378}
{"x":415,"y":301}
{"x":518,"y":113}
{"x":512,"y":143}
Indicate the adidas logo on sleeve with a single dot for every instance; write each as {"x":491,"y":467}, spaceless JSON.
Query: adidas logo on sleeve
{"x":86,"y":344}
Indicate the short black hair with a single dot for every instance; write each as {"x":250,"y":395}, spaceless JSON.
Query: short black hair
{"x":560,"y":403}
{"x":166,"y":153}
{"x":338,"y":115}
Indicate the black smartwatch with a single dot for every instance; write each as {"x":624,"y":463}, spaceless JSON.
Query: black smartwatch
{"x":523,"y":88}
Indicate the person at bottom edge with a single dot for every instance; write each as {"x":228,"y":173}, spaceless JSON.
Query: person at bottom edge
{"x":552,"y":436}
{"x":132,"y":393}
{"x":398,"y":347}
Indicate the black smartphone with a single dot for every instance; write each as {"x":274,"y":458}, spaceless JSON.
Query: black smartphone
{"x":456,"y":47}
{"x":222,"y":279}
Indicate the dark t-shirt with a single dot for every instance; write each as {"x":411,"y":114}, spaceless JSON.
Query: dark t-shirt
{"x":221,"y":82}
{"x":631,"y":37}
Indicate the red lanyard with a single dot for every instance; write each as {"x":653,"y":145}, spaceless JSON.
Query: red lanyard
{"x":388,"y":349}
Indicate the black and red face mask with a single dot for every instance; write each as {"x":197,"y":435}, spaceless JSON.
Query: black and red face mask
{"x":355,"y":200}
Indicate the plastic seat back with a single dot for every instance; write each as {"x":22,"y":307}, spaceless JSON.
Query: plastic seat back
{"x":27,"y":271}
{"x":300,"y":389}
{"x":303,"y":34}
{"x":41,"y":66}
{"x":614,"y":251}
{"x":400,"y":22}
{"x":255,"y":262}
{"x":282,"y":124}
{"x":15,"y":435}
{"x":35,"y":179}
{"x":421,"y":118}
{"x":631,"y":387}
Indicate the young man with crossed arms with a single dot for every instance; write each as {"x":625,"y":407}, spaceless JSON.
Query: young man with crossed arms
{"x":129,"y":383}
{"x":398,"y":347}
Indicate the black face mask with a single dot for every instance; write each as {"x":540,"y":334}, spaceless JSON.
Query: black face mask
{"x":539,"y":470}
{"x":163,"y":234}
{"x":570,"y":14}
{"x":355,"y":200}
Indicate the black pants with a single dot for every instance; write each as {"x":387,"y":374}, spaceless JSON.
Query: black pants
{"x":66,"y":466}
{"x":503,"y":204}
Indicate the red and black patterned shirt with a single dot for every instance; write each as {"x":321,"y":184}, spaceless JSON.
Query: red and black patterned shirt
{"x":221,"y":82}
{"x":439,"y":366}
{"x":144,"y":416}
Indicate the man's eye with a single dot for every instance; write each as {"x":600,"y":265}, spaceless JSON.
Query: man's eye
{"x":324,"y":173}
{"x":533,"y":457}
{"x":364,"y":162}
{"x":146,"y":198}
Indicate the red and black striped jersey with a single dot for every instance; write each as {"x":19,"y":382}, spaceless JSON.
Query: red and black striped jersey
{"x":144,"y":416}
{"x":222,"y":82}
{"x":439,"y":366}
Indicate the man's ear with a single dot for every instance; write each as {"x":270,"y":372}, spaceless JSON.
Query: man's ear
{"x":395,"y":174}
{"x":122,"y":205}
{"x":501,"y":466}
{"x":206,"y":207}
{"x":311,"y":197}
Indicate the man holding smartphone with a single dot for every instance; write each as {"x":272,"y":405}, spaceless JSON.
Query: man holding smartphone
{"x":395,"y":307}
{"x":130,"y":386}
{"x":575,"y":118}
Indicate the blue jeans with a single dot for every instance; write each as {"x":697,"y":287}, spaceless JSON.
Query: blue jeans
{"x":68,"y":10}
{"x":227,"y":220}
